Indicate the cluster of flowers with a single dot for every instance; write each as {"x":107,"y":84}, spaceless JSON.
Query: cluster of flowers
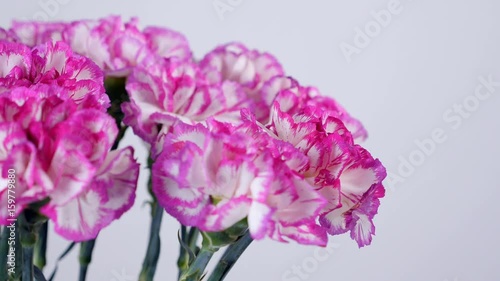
{"x":56,"y":135}
{"x":232,"y":137}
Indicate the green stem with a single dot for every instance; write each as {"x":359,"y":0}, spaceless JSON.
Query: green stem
{"x":197,"y":269}
{"x":193,"y":237}
{"x":153,"y":251}
{"x":41,"y":247}
{"x":28,"y":232}
{"x":230,"y":257}
{"x":28,"y":272}
{"x":85,"y":258}
{"x":183,"y":260}
{"x":4,"y":249}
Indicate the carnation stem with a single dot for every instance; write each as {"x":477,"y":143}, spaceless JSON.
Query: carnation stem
{"x":192,"y":237}
{"x":86,"y":249}
{"x":153,"y":252}
{"x":41,"y":247}
{"x":4,"y":249}
{"x":197,"y":268}
{"x":230,"y":257}
{"x":28,"y":232}
{"x":28,"y":271}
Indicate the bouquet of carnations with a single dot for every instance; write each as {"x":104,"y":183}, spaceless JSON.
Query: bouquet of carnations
{"x":238,"y":150}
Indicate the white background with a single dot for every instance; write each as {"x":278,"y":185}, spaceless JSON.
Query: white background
{"x":441,"y":223}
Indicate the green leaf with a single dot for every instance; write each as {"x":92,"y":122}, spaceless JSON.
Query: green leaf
{"x":196,"y":270}
{"x":38,"y":274}
{"x":186,"y":255}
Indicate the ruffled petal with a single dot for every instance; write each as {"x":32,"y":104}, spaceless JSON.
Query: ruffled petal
{"x":55,"y":63}
{"x":111,"y":193}
{"x":30,"y":181}
{"x":35,"y":33}
{"x":167,"y":43}
{"x":361,"y":188}
{"x":203,"y":175}
{"x":7,"y":35}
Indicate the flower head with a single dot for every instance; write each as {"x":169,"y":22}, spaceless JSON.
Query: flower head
{"x":52,"y":64}
{"x":214,"y":175}
{"x":7,"y":35}
{"x":36,"y":33}
{"x":171,"y":89}
{"x":114,"y":45}
{"x":60,"y":151}
{"x":250,"y":69}
{"x":203,"y":177}
{"x":289,"y":164}
{"x":346,"y":175}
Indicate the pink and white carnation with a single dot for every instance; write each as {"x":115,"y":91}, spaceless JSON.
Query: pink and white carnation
{"x":115,"y":46}
{"x":286,"y":205}
{"x":37,"y":33}
{"x":52,"y":64}
{"x":7,"y":35}
{"x":347,"y":176}
{"x":307,"y":176}
{"x":294,"y":97}
{"x":173,"y":89}
{"x":216,"y":175}
{"x":167,"y":43}
{"x":249,"y":68}
{"x":60,"y":151}
{"x":203,"y":176}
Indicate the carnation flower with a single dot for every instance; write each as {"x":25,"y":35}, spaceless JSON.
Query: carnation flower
{"x":304,"y":173}
{"x":60,"y":151}
{"x":33,"y":34}
{"x":7,"y":35}
{"x":249,"y":68}
{"x":286,"y":205}
{"x":52,"y":64}
{"x":171,"y":89}
{"x":110,"y":194}
{"x":115,"y":46}
{"x":293,"y":97}
{"x":167,"y":43}
{"x":342,"y":171}
{"x":239,"y":150}
{"x":360,"y":186}
{"x":203,"y":177}
{"x":213,"y":177}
